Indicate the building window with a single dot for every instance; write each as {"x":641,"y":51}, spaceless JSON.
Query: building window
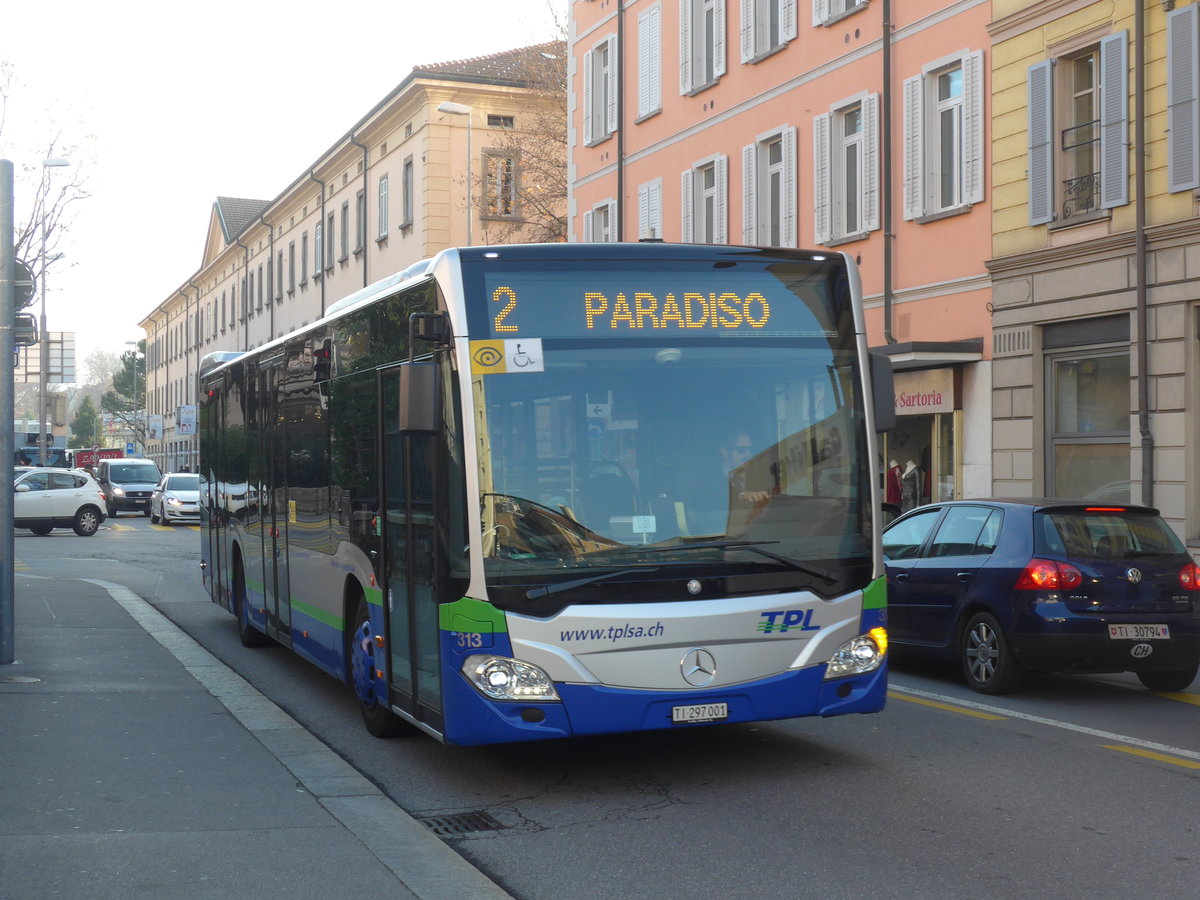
{"x":496,"y":121}
{"x":383,"y":209}
{"x":345,"y":231}
{"x":826,"y":12}
{"x":704,"y":201}
{"x":650,"y":210}
{"x":1183,"y":98}
{"x":600,"y":222}
{"x":701,"y":44}
{"x":318,"y":250}
{"x":769,"y":191}
{"x":766,"y":26}
{"x":291,"y":267}
{"x":500,"y":185}
{"x":406,"y":198}
{"x":600,"y":91}
{"x":304,"y":259}
{"x":846,"y":174}
{"x":279,"y":279}
{"x":1078,"y":134}
{"x":248,"y":295}
{"x":1089,"y":422}
{"x":360,"y":221}
{"x":259,"y":303}
{"x":224,"y":311}
{"x":329,"y":239}
{"x":650,"y":61}
{"x":943,"y":137}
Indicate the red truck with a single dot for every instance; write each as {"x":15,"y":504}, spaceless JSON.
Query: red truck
{"x":84,"y":458}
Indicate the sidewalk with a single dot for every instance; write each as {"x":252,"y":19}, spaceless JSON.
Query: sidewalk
{"x":134,"y":764}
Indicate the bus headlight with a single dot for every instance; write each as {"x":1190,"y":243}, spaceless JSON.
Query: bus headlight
{"x":502,"y":678}
{"x":859,"y":655}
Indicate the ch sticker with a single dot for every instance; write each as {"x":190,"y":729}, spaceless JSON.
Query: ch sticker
{"x":507,"y":356}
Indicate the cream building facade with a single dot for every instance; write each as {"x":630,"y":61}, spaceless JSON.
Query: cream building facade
{"x":405,"y":181}
{"x":1096,"y":252}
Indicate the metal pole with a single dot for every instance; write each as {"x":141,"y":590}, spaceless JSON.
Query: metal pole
{"x":44,"y":343}
{"x":7,"y":311}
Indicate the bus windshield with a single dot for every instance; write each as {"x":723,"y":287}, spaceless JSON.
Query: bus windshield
{"x":678,"y":422}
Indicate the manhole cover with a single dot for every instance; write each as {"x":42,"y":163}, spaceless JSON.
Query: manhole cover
{"x":461,"y":823}
{"x":19,"y":679}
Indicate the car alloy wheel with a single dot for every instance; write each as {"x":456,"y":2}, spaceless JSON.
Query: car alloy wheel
{"x":987,"y":662}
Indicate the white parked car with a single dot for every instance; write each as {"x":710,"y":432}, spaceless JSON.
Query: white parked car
{"x":176,"y":498}
{"x":49,"y":498}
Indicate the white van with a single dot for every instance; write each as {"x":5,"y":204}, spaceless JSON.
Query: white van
{"x":127,"y":483}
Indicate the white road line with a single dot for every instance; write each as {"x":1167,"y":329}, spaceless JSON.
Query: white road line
{"x":1042,"y":720}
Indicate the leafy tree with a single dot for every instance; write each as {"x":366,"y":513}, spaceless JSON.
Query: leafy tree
{"x":126,"y":402}
{"x":85,"y":429}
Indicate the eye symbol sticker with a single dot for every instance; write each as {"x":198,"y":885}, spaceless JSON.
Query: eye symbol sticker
{"x":488,"y":357}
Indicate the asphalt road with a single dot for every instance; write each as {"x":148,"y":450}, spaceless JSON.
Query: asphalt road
{"x":1075,"y":787}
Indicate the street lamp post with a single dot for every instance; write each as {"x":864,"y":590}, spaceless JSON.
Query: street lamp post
{"x":461,"y":109}
{"x":44,"y":365}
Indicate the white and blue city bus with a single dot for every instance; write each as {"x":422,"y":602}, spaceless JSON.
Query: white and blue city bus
{"x":548,"y":490}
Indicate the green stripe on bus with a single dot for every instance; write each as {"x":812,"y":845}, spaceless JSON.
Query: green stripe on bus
{"x":471,"y":617}
{"x":320,"y":615}
{"x":875,"y":594}
{"x":374,"y":595}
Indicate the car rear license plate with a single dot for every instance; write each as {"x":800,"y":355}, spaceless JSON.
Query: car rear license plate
{"x":700,"y":712}
{"x":1139,"y":632}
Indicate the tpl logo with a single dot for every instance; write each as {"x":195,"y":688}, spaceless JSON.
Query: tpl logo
{"x":781,"y":620}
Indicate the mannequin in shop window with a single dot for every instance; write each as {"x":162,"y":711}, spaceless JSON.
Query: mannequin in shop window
{"x":911,"y":484}
{"x":894,"y":486}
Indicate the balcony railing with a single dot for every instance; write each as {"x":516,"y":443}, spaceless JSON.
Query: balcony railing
{"x":1081,"y":195}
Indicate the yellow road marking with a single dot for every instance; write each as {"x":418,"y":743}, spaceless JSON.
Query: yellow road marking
{"x":1193,"y":699}
{"x":1150,"y":754}
{"x":921,"y":701}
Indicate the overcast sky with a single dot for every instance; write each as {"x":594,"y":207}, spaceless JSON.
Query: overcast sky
{"x":174,"y":104}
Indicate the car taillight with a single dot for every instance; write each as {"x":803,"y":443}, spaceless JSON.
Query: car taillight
{"x":1049,"y":575}
{"x":1189,"y":577}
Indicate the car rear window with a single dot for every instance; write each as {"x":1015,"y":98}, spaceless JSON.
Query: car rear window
{"x":1104,"y":534}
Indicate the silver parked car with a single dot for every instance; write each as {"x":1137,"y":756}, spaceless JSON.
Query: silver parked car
{"x":176,"y":498}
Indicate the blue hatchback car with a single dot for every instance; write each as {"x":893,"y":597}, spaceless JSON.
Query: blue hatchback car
{"x":1010,"y":586}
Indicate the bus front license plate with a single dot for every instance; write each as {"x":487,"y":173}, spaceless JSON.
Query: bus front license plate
{"x":701,"y":712}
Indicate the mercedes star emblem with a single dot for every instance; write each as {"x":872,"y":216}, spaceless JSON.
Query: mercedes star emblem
{"x":699,"y":667}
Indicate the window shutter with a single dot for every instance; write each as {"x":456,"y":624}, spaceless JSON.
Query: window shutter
{"x":973,"y":127}
{"x":650,"y":210}
{"x":914,"y":147}
{"x":747,"y":30}
{"x":614,"y":70}
{"x":719,"y":41}
{"x":1183,"y":98}
{"x":789,"y":188}
{"x":1041,"y":143}
{"x":1114,"y":120}
{"x":588,"y":226}
{"x":687,"y":206}
{"x":870,"y":186}
{"x":685,"y":46}
{"x":721,"y":226}
{"x":821,"y":186}
{"x":820,"y":12}
{"x":613,"y":224}
{"x":587,"y":98}
{"x":650,"y":61}
{"x":749,"y":191}
{"x":787,"y":20}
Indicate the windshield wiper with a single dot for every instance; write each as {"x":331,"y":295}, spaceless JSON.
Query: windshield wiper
{"x":754,"y":547}
{"x":560,"y":587}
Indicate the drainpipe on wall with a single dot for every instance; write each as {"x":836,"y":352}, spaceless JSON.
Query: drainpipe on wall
{"x":1139,"y":250}
{"x":271,"y":306}
{"x":888,"y":237}
{"x":366,"y":163}
{"x":245,"y":281}
{"x":325,"y":238}
{"x":194,"y":388}
{"x":621,"y":126}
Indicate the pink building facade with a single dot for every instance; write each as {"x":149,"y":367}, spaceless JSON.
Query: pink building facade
{"x":810,"y":124}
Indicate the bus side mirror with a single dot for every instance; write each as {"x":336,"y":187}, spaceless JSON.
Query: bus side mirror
{"x":883,"y":391}
{"x":419,"y":397}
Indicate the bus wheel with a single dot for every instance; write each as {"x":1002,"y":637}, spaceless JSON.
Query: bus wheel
{"x":247,"y":633}
{"x":379,"y":720}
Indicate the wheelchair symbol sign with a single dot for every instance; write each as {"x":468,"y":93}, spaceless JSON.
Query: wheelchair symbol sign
{"x":507,"y":356}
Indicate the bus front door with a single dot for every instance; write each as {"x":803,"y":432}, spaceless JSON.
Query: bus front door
{"x":274,"y":496}
{"x":409,"y":468}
